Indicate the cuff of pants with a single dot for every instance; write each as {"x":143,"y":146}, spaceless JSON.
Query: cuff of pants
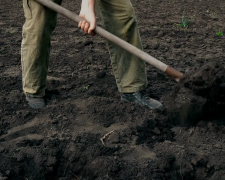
{"x":133,"y":89}
{"x":39,"y":95}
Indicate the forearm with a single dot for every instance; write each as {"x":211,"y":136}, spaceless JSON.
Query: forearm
{"x":87,"y":5}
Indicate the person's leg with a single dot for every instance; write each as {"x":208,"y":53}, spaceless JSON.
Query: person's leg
{"x":118,"y":18}
{"x":35,"y":49}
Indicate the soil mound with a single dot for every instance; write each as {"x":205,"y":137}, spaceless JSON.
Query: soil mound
{"x":200,"y":95}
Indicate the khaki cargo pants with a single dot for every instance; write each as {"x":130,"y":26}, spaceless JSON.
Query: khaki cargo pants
{"x":117,"y":17}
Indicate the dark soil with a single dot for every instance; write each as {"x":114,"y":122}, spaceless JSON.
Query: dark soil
{"x":199,"y":96}
{"x":63,"y":141}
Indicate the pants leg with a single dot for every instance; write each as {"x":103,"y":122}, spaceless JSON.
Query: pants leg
{"x":35,"y":49}
{"x":118,"y":17}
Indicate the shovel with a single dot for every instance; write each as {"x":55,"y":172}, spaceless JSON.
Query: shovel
{"x":176,"y":75}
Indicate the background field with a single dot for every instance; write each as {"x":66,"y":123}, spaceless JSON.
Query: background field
{"x":63,"y":140}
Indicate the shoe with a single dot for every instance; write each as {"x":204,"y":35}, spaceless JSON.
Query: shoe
{"x":140,"y":99}
{"x":36,"y":102}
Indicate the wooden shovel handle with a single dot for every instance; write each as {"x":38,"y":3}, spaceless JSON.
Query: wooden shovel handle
{"x":123,"y":44}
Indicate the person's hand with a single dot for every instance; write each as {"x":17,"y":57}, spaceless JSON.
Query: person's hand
{"x":89,"y":25}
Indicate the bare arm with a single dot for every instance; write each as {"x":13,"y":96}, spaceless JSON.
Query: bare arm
{"x":87,"y":12}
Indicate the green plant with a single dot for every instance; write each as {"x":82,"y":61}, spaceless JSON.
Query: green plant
{"x":185,"y":21}
{"x":10,"y":29}
{"x":86,"y":87}
{"x":213,"y":15}
{"x":219,"y":33}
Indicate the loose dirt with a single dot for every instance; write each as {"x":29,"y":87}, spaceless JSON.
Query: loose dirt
{"x":199,"y":96}
{"x":63,"y":141}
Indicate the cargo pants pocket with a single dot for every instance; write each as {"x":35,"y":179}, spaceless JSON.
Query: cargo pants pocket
{"x":27,"y":9}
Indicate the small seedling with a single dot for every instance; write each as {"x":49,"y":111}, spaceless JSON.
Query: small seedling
{"x":10,"y":30}
{"x":86,"y":87}
{"x":185,"y":21}
{"x":219,"y":33}
{"x":213,"y":15}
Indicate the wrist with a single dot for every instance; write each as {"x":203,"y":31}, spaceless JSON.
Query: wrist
{"x":87,"y":5}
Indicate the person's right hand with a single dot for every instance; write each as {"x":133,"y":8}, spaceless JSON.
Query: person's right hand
{"x":89,"y":25}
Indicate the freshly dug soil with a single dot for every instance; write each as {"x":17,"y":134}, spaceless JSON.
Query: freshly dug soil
{"x":200,"y":95}
{"x":86,"y":132}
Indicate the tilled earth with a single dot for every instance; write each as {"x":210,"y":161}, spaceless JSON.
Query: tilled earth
{"x":86,"y":132}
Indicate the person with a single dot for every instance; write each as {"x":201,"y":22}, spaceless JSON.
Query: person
{"x":117,"y":16}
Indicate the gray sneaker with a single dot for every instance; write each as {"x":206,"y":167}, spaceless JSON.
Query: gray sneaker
{"x":140,"y":99}
{"x":36,"y":102}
